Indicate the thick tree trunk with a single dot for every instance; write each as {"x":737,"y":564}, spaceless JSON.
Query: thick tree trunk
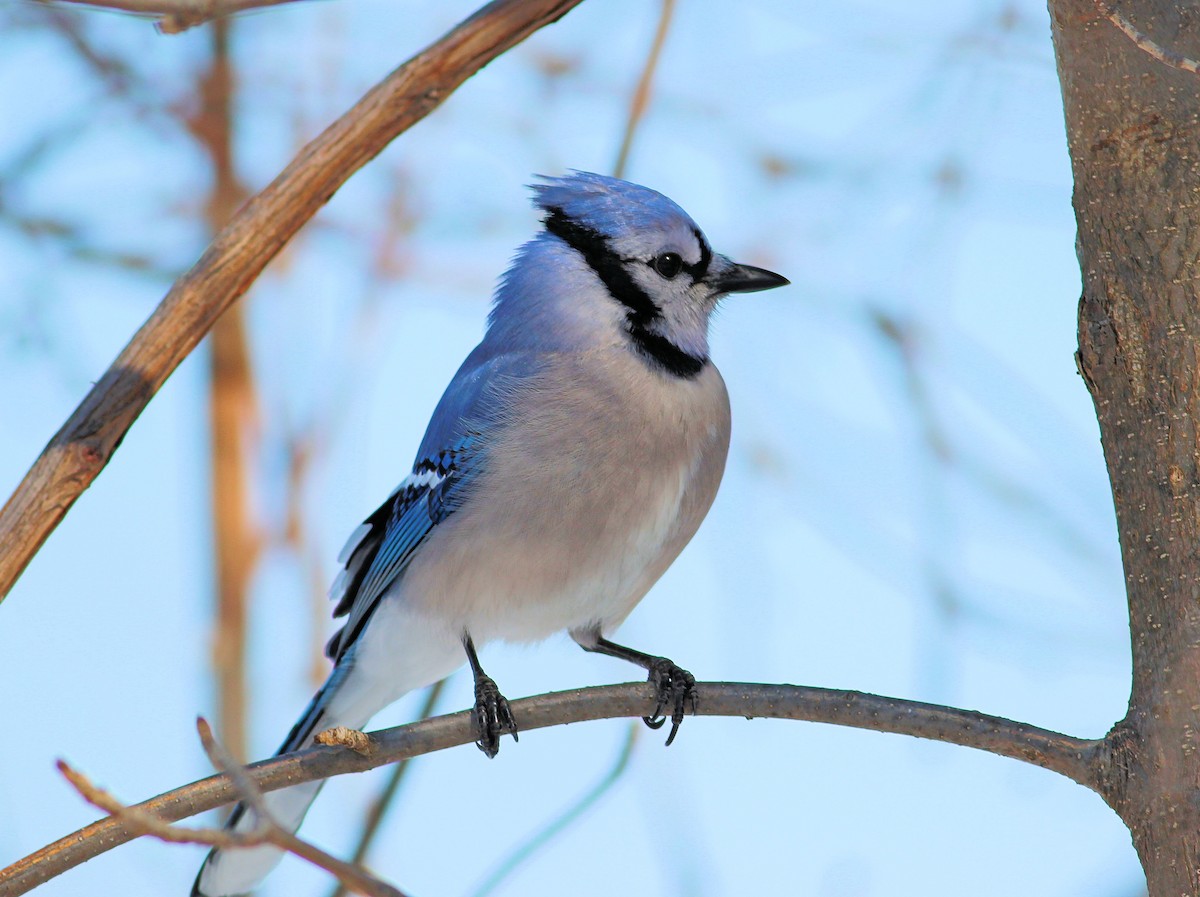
{"x":1132,"y":123}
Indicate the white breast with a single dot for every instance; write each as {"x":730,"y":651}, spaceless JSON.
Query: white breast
{"x":601,"y":479}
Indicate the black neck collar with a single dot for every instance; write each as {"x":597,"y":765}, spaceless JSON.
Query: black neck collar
{"x":641,"y":309}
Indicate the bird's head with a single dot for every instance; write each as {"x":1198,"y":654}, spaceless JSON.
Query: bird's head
{"x":652,"y":260}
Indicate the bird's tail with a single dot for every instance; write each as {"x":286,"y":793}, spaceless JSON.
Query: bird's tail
{"x":238,"y":871}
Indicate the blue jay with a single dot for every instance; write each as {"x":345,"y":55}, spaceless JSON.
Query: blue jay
{"x":572,"y":457}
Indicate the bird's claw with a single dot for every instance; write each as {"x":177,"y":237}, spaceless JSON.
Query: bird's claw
{"x":676,"y":689}
{"x":492,"y":716}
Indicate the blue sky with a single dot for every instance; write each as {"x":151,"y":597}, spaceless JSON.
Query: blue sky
{"x":915,"y":502}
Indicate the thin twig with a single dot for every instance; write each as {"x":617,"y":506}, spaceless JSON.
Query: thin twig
{"x":349,"y":875}
{"x":523,"y":852}
{"x":266,"y":830}
{"x":1144,"y":42}
{"x":175,"y":16}
{"x":1076,"y":758}
{"x":142,"y":822}
{"x":261,"y":228}
{"x":641,"y":94}
{"x":383,"y":801}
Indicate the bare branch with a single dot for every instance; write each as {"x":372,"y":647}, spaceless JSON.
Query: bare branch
{"x":266,"y":830}
{"x":143,"y":822}
{"x":1078,"y":759}
{"x":348,"y":875}
{"x":86,"y":442}
{"x":175,"y":16}
{"x":1163,"y":54}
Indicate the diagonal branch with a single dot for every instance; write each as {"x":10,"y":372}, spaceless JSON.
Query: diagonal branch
{"x":86,"y":442}
{"x":1079,"y":759}
{"x":1147,"y":44}
{"x":350,"y":875}
{"x":265,"y":831}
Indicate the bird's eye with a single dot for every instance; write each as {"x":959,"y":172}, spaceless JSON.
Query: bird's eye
{"x":668,"y":264}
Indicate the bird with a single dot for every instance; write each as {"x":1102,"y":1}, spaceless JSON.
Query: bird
{"x":571,"y":458}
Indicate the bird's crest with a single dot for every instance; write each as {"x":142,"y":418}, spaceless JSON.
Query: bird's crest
{"x":608,"y":205}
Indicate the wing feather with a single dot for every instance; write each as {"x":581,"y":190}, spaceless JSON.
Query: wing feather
{"x":449,"y":461}
{"x":381,"y":548}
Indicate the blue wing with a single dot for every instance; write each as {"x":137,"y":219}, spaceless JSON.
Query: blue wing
{"x":452,"y":455}
{"x":381,"y":548}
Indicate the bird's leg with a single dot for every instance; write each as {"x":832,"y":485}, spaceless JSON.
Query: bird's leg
{"x":491,"y":711}
{"x":675,"y":685}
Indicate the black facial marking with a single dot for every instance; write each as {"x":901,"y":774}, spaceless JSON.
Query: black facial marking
{"x":664,"y":352}
{"x":643,"y":311}
{"x":607,"y":265}
{"x":698,"y":270}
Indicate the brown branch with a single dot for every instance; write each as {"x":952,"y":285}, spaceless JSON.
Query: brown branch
{"x":233,"y":411}
{"x":266,"y":829}
{"x":1078,"y":759}
{"x":175,"y":16}
{"x":86,"y":442}
{"x":1165,"y":55}
{"x":641,"y":94}
{"x":350,"y":876}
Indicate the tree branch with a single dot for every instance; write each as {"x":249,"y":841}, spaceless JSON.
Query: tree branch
{"x":1076,"y":758}
{"x":265,"y":831}
{"x":1147,"y":44}
{"x":175,"y":16}
{"x":86,"y":442}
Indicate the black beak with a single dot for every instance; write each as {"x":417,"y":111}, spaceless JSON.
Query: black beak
{"x":747,"y":279}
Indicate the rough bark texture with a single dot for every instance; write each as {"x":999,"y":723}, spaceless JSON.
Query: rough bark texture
{"x":1132,"y":124}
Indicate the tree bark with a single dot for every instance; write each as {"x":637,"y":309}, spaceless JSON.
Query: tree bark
{"x":1132,"y":125}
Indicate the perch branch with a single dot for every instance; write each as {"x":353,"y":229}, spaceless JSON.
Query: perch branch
{"x":1076,"y":758}
{"x":1165,"y":55}
{"x":260,"y":229}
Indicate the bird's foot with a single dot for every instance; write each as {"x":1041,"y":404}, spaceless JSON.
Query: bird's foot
{"x":676,"y":690}
{"x":492,"y":716}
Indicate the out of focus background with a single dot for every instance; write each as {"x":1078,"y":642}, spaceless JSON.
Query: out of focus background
{"x":915,"y":503}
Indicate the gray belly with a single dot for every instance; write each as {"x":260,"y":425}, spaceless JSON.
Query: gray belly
{"x":590,"y":492}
